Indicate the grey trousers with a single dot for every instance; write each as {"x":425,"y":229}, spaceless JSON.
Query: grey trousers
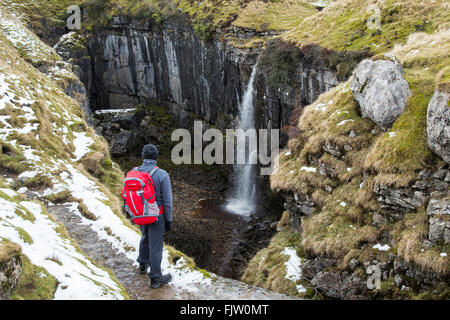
{"x":151,"y":246}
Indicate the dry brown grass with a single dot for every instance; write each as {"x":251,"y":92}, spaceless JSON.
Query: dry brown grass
{"x":8,"y":250}
{"x":85,"y":211}
{"x":409,"y":234}
{"x":327,"y":121}
{"x":278,"y":16}
{"x":331,"y":235}
{"x":61,"y":197}
{"x":346,"y":24}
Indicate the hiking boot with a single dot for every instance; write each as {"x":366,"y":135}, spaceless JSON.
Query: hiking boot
{"x":158,"y":282}
{"x":143,"y":268}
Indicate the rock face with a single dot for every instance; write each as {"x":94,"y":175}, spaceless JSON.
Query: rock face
{"x":334,"y":285}
{"x":10,"y":268}
{"x":380,"y":90}
{"x":438,"y":211}
{"x":438,"y":125}
{"x":165,"y":64}
{"x":399,"y":200}
{"x":132,"y":63}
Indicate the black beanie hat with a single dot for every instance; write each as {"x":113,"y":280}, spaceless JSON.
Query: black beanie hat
{"x":150,"y":152}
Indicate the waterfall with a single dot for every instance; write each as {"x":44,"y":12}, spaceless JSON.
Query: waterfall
{"x":243,"y":200}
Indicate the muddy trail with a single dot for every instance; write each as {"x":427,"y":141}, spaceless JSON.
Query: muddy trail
{"x":137,"y":285}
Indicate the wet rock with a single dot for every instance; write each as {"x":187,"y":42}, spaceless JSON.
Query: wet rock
{"x":128,"y":120}
{"x":298,"y":205}
{"x":438,"y":125}
{"x":120,"y":143}
{"x":380,"y":90}
{"x":72,"y":49}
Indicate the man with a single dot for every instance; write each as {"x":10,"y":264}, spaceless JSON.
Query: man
{"x":151,"y":244}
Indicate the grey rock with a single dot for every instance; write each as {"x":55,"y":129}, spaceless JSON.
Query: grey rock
{"x":438,"y":230}
{"x":326,"y":170}
{"x":439,"y":206}
{"x":121,"y":143}
{"x":332,"y":149}
{"x":353,"y":264}
{"x":398,"y":199}
{"x":380,"y":90}
{"x":378,"y":219}
{"x":170,"y":65}
{"x":438,"y":125}
{"x":398,"y":280}
{"x":427,"y":243}
{"x":310,"y":268}
{"x":338,"y":286}
{"x":10,"y":271}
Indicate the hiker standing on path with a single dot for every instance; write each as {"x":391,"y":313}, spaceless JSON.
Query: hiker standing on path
{"x":151,"y":244}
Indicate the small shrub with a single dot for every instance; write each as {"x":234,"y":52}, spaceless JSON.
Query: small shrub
{"x":61,"y":197}
{"x":85,"y":211}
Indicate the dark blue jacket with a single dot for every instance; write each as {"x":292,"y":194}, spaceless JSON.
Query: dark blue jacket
{"x":163,"y":187}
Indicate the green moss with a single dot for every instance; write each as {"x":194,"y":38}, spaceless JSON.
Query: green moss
{"x":175,"y":255}
{"x":347,"y":27}
{"x":8,"y":251}
{"x":37,"y":182}
{"x":267,"y":268}
{"x":35,"y":283}
{"x":273,"y":15}
{"x":11,"y":160}
{"x":408,"y":152}
{"x":25,"y":214}
{"x":24,"y":235}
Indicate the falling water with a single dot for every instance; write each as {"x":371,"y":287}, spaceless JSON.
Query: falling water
{"x":243,"y":200}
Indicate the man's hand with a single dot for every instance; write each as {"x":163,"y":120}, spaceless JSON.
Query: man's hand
{"x":168,"y":226}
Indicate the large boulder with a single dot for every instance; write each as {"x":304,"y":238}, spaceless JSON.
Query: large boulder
{"x":438,"y":125}
{"x":380,"y":90}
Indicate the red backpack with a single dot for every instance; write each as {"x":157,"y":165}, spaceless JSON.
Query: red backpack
{"x":140,"y":198}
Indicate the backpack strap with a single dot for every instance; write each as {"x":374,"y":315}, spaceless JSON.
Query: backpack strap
{"x":152,"y":172}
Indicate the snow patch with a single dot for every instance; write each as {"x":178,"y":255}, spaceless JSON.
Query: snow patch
{"x":381,"y":247}
{"x":86,"y":280}
{"x":308,"y":169}
{"x":82,"y":143}
{"x":293,"y":267}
